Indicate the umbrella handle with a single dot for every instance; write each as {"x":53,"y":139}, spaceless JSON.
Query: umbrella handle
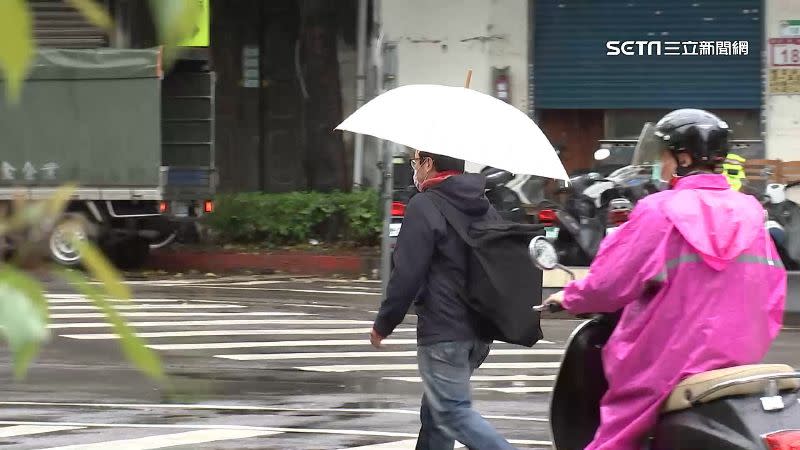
{"x":469,"y":78}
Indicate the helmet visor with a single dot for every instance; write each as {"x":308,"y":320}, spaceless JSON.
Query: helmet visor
{"x":648,"y":147}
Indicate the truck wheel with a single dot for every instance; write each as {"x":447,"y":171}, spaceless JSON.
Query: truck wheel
{"x":72,"y":226}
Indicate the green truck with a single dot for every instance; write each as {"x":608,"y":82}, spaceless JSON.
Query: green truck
{"x":138,"y":143}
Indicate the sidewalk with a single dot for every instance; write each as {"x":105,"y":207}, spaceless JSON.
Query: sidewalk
{"x":221,"y":261}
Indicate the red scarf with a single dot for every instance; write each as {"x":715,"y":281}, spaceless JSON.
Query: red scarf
{"x":438,"y":178}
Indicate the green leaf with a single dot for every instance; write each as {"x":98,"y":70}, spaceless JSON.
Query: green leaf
{"x":23,"y":317}
{"x":40,"y":212}
{"x":101,"y":269}
{"x":94,"y":12}
{"x":16,"y":45}
{"x":132,"y":345}
{"x":175,"y":21}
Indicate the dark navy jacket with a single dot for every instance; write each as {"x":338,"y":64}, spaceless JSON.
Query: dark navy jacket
{"x":430,"y":263}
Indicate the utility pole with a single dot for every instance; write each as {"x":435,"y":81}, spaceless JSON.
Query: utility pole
{"x":361,"y":77}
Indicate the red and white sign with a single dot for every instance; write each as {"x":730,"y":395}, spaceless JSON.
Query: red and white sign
{"x":784,"y":52}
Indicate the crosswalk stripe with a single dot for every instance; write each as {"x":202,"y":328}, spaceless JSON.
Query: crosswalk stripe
{"x":480,"y":378}
{"x":412,"y":443}
{"x":146,"y":306}
{"x":25,"y":430}
{"x":194,"y":323}
{"x":82,"y":300}
{"x":196,"y":333}
{"x":207,"y":407}
{"x":169,"y":440}
{"x":372,"y":354}
{"x":302,"y":291}
{"x":393,"y":367}
{"x":519,"y":389}
{"x":267,"y":344}
{"x":397,"y":445}
{"x":176,"y":314}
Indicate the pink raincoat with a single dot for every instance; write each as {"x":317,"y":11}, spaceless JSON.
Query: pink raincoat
{"x":702,"y":288}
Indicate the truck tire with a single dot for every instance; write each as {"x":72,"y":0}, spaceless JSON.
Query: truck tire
{"x":70,"y":226}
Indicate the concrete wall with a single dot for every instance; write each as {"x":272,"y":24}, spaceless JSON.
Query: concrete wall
{"x":782,"y":111}
{"x":438,"y":41}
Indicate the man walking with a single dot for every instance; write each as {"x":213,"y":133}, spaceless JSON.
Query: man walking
{"x":430,"y":267}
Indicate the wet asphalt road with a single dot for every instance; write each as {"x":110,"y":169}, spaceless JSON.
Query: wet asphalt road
{"x":260,"y":363}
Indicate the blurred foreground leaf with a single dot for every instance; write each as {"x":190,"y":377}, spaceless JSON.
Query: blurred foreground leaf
{"x":16,"y":45}
{"x":94,"y":12}
{"x":100,"y":268}
{"x":175,"y":21}
{"x":132,"y":345}
{"x":38,"y":213}
{"x":23,"y":317}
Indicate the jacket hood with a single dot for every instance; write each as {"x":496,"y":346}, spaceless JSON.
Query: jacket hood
{"x":466,"y":192}
{"x":718,"y":222}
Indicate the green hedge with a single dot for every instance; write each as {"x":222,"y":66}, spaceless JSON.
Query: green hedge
{"x":297,"y":217}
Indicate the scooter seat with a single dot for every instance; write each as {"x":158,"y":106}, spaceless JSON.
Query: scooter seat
{"x":683,"y":395}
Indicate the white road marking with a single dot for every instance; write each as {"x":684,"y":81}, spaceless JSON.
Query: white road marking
{"x":315,"y":306}
{"x":519,"y":390}
{"x":169,"y":440}
{"x":361,"y":288}
{"x":82,"y":299}
{"x":194,"y":406}
{"x":256,"y":282}
{"x":242,"y":427}
{"x":339,"y":280}
{"x":397,"y":445}
{"x":193,"y":323}
{"x":142,"y":306}
{"x":175,"y":314}
{"x":133,"y":301}
{"x":25,"y":430}
{"x":304,"y":291}
{"x":216,"y":427}
{"x":371,"y":354}
{"x":295,"y":331}
{"x":486,"y":378}
{"x":393,"y":367}
{"x":312,"y":343}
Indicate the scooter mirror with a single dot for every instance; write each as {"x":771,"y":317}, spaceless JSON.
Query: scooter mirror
{"x":542,"y":253}
{"x":602,"y":154}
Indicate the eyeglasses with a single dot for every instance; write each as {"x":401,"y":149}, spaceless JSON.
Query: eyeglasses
{"x":417,"y":161}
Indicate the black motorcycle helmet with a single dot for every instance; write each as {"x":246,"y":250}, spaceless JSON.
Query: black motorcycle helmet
{"x":701,"y":134}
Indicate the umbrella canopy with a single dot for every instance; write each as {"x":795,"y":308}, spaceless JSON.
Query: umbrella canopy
{"x":461,"y":123}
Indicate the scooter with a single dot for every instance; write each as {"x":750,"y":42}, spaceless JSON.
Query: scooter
{"x":751,"y":407}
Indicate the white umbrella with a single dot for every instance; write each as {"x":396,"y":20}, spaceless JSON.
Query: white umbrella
{"x":461,"y":123}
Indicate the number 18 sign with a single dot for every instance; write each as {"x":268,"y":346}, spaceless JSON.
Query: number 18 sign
{"x":785,"y":51}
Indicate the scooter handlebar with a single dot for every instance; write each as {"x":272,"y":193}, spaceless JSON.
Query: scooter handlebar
{"x":550,"y":307}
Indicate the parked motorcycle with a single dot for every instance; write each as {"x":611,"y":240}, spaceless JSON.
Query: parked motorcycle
{"x":504,"y":199}
{"x":594,"y":208}
{"x":738,"y":408}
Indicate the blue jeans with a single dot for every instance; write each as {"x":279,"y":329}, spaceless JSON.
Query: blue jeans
{"x":446,"y":412}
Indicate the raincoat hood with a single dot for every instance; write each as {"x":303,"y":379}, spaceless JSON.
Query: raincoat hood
{"x":709,"y":215}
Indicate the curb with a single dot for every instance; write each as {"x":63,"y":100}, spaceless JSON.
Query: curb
{"x":287,"y":262}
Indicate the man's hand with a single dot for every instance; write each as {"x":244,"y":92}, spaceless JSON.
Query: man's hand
{"x":375,"y":339}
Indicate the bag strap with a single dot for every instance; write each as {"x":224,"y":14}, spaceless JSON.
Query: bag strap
{"x":449,"y":212}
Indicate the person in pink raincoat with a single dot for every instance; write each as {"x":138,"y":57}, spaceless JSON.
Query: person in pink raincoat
{"x":698,"y":279}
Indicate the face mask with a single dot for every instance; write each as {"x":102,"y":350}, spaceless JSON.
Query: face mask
{"x":417,"y":181}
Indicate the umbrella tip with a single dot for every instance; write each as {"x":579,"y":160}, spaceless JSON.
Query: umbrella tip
{"x":469,"y":78}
